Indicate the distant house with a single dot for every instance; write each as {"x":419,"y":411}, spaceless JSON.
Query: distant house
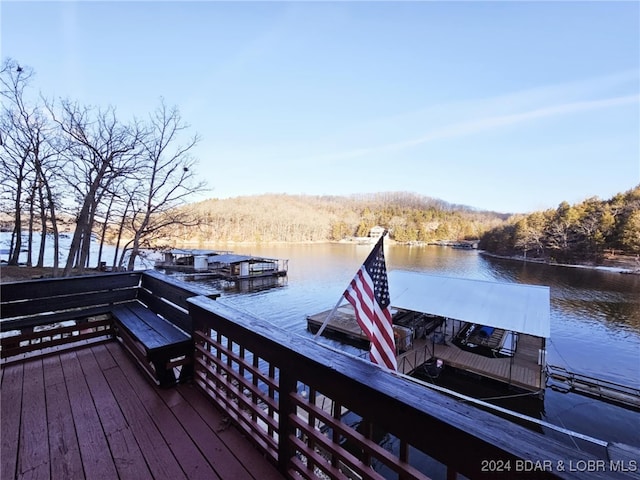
{"x":376,"y":232}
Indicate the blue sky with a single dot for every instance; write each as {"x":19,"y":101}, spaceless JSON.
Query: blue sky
{"x":507,"y":106}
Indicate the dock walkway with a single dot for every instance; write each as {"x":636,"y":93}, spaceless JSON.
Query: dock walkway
{"x":563,"y":380}
{"x":522,"y":371}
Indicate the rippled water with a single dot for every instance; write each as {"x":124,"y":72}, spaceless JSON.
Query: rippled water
{"x":595,"y":315}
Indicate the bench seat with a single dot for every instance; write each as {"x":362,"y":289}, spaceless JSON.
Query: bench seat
{"x":154,"y":341}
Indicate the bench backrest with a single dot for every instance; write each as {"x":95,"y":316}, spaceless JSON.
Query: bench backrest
{"x":167,"y":297}
{"x":37,"y":302}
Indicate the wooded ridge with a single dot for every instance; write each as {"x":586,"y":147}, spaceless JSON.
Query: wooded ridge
{"x":584,"y":231}
{"x":303,"y":218}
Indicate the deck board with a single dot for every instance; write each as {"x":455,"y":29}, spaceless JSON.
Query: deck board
{"x":188,"y":458}
{"x":10,"y":405}
{"x":63,"y":442}
{"x":33,"y":449}
{"x":91,"y":438}
{"x":91,"y":413}
{"x":251,"y":458}
{"x":128,"y":458}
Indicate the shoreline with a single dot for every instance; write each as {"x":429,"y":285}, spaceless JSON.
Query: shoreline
{"x":623,"y":264}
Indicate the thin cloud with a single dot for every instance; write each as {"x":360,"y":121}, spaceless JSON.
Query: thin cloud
{"x":478,"y":125}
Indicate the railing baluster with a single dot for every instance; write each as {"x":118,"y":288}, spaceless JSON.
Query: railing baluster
{"x":286,"y":407}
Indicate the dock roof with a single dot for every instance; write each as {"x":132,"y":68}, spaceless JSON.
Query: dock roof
{"x":193,"y":251}
{"x":510,"y":306}
{"x":234,"y":258}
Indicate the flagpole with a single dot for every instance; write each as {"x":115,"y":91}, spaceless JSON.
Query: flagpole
{"x":329,"y":317}
{"x":333,"y":312}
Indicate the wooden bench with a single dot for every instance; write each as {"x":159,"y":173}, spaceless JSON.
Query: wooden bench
{"x":155,"y":342}
{"x":146,"y":311}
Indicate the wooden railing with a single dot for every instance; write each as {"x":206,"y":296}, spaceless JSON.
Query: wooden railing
{"x":47,"y":315}
{"x":292,"y":396}
{"x":314,"y":412}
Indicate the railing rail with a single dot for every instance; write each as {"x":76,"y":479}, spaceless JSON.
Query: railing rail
{"x":274,"y":383}
{"x":314,"y":412}
{"x":41,"y":316}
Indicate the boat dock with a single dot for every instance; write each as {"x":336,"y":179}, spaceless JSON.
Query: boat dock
{"x":224,"y":265}
{"x":562,"y":380}
{"x":342,"y":325}
{"x":522,"y":370}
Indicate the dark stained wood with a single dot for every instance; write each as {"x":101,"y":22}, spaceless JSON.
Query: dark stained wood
{"x":167,"y":310}
{"x":252,"y":460}
{"x":125,"y":427}
{"x":38,"y":289}
{"x":151,"y":330}
{"x":54,"y":337}
{"x":104,"y":419}
{"x":127,"y":456}
{"x":168,"y":297}
{"x":63,"y":442}
{"x":33,"y":450}
{"x":153,"y":341}
{"x":10,"y":401}
{"x":183,"y":452}
{"x":80,"y":300}
{"x":172,"y":289}
{"x":55,"y":317}
{"x":91,"y":439}
{"x":398,"y":405}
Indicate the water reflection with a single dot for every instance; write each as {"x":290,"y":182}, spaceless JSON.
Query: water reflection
{"x":595,"y":316}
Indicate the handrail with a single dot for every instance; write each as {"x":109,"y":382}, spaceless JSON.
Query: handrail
{"x":41,"y":316}
{"x":318,"y":413}
{"x":275,"y":386}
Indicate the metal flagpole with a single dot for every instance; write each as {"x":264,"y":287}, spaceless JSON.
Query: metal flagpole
{"x":333,"y":312}
{"x":329,"y":317}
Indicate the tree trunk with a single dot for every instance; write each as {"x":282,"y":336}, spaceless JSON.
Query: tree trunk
{"x":30,"y":231}
{"x":43,"y":229}
{"x":17,"y":230}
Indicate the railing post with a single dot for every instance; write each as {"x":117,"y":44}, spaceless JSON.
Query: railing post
{"x":287,"y":387}
{"x":451,"y":473}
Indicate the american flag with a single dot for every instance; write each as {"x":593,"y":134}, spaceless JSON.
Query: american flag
{"x":368,"y":292}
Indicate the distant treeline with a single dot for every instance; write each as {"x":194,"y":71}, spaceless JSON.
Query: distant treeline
{"x":304,"y":218}
{"x":585,"y":231}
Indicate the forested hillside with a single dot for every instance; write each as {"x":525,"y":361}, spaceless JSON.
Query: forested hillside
{"x":302,"y":218}
{"x":584,"y":231}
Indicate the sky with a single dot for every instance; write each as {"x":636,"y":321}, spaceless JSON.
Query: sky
{"x":506,"y":106}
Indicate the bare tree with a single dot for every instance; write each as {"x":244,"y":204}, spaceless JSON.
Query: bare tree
{"x":167,"y":177}
{"x":28,"y":160}
{"x":100,"y":149}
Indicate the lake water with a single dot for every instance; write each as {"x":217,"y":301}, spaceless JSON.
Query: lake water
{"x":595,"y":317}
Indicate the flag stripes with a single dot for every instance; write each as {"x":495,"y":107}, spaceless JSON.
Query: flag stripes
{"x":368,"y":292}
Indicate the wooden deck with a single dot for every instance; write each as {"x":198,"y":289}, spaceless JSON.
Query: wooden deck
{"x":91,"y":413}
{"x":343,"y":323}
{"x":523,"y":373}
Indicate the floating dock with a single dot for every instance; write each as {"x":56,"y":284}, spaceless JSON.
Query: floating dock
{"x":221,"y":264}
{"x":563,"y":380}
{"x":521,"y":370}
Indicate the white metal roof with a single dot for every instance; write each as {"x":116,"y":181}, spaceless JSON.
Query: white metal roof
{"x":510,"y":306}
{"x":234,"y":258}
